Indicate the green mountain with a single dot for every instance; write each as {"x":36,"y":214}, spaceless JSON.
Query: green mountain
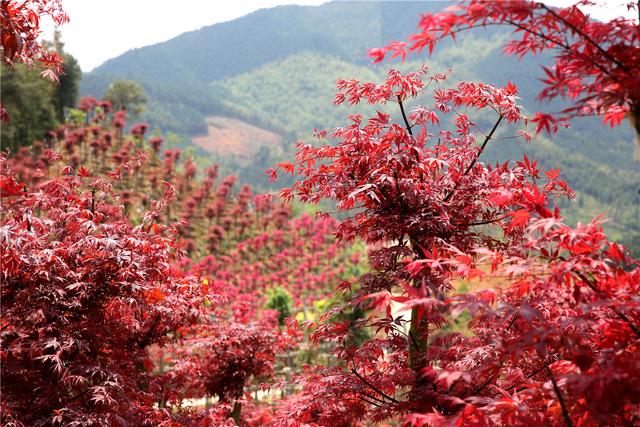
{"x":276,"y":69}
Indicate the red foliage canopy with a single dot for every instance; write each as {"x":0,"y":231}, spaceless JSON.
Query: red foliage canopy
{"x":83,"y":294}
{"x":130,"y":315}
{"x":543,"y":349}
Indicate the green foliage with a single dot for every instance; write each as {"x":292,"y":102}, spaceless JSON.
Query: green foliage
{"x":77,"y":117}
{"x":66,"y":92}
{"x":298,"y":103}
{"x":279,"y":299}
{"x":29,"y":100}
{"x":128,"y":95}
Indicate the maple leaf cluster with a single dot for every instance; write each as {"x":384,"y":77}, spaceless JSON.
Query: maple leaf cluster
{"x":556,"y":344}
{"x":83,"y":294}
{"x":595,"y":65}
{"x":20,"y":32}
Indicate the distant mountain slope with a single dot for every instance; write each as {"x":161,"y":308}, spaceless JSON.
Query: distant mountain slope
{"x":276,"y":69}
{"x":174,"y":72}
{"x":343,"y":29}
{"x":293,"y":95}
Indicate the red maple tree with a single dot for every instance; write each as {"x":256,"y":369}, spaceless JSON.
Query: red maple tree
{"x":219,"y":342}
{"x":557,"y":344}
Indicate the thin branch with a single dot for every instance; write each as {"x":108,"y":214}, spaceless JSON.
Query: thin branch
{"x":531,"y":375}
{"x":484,"y":222}
{"x":565,"y":413}
{"x":475,"y":159}
{"x":562,"y":45}
{"x":374,"y":388}
{"x":487,"y":382}
{"x":513,"y":320}
{"x":404,"y":116}
{"x":377,"y":399}
{"x":77,"y":396}
{"x":541,"y":35}
{"x":368,"y":401}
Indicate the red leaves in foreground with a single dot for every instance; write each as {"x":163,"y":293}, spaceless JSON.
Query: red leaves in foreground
{"x":20,"y":33}
{"x":557,"y":344}
{"x":80,"y":306}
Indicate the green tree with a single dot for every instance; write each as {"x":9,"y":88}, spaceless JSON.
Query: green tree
{"x":127,"y":94}
{"x":66,"y":92}
{"x":279,"y":299}
{"x":29,"y":100}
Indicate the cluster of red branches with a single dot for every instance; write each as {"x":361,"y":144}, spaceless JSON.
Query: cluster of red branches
{"x":132,"y":284}
{"x":596,"y":63}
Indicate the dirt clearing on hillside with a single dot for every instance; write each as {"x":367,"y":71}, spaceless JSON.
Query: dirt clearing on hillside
{"x":232,"y":136}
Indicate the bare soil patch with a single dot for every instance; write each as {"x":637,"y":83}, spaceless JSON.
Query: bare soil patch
{"x":232,"y":136}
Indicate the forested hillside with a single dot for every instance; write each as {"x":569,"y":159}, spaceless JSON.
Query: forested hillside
{"x":280,"y":75}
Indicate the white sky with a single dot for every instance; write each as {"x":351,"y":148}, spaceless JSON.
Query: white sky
{"x":103,"y":29}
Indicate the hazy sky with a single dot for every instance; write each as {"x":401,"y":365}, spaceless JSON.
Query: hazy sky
{"x":102,"y":29}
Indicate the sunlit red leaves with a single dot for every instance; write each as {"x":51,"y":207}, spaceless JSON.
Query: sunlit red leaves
{"x":615,"y":115}
{"x":21,"y":30}
{"x":9,"y":187}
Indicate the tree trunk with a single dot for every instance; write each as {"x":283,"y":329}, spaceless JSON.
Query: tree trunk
{"x":235,"y":414}
{"x":418,"y":341}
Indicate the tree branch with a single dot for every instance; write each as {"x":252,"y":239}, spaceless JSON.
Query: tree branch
{"x":531,"y":375}
{"x":404,"y":116}
{"x":374,"y":398}
{"x":466,"y":172}
{"x":368,"y":401}
{"x":565,"y":413}
{"x":622,"y":316}
{"x":484,"y":222}
{"x":559,"y":43}
{"x":584,"y":36}
{"x":374,"y":388}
